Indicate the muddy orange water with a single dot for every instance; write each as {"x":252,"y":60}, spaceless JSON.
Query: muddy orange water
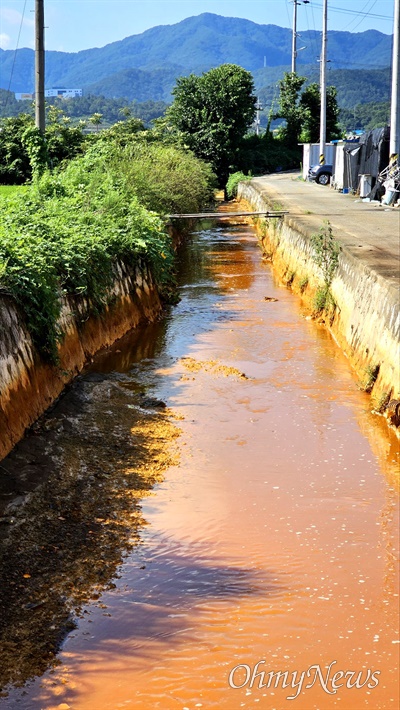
{"x":272,"y":541}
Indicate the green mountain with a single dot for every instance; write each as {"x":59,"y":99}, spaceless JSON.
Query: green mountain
{"x":144,"y":67}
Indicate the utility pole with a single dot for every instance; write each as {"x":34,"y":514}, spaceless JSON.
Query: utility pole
{"x":322,"y":131}
{"x":395,"y":102}
{"x":40,"y":117}
{"x":294,"y":37}
{"x":294,"y":32}
{"x":258,"y":109}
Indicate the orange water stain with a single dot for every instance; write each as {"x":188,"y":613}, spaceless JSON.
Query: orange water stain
{"x":274,"y":539}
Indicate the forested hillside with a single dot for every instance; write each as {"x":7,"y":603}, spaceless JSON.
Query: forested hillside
{"x":140,"y":71}
{"x":193,"y":45}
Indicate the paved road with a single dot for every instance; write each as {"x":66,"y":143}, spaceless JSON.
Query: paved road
{"x":368,"y":230}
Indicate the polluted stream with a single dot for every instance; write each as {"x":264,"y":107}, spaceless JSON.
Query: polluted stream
{"x":208,"y":517}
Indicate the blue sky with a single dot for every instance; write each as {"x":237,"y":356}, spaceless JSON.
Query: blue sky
{"x":73,"y":25}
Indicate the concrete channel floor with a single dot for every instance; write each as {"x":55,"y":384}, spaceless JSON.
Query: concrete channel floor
{"x":368,"y":230}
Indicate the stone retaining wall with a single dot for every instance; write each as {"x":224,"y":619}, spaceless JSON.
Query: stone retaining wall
{"x":365,"y":321}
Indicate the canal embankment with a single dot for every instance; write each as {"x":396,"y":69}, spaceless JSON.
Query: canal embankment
{"x":363,"y":315}
{"x":84,"y":256}
{"x":29,"y":382}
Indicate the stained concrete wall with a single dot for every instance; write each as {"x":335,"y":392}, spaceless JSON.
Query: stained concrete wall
{"x":365,"y":322}
{"x":28,"y":384}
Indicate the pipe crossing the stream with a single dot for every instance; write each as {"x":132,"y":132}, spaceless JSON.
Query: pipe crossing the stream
{"x":225,"y":215}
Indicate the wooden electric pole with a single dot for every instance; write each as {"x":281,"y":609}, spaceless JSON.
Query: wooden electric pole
{"x":40,"y":116}
{"x":322,"y":131}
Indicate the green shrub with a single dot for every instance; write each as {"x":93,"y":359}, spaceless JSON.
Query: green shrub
{"x":325,"y":252}
{"x":69,"y":244}
{"x":371,"y":375}
{"x":321,"y":299}
{"x":167,"y":179}
{"x":233,"y":182}
{"x":303,"y":283}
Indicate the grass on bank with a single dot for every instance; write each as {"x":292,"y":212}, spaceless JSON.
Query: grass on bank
{"x":8,"y":190}
{"x":64,"y":234}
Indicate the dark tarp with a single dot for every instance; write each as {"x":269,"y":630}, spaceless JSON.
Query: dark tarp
{"x":370,"y":157}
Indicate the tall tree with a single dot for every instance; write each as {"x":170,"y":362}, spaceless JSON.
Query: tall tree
{"x":310,"y":107}
{"x":301,"y":110}
{"x":213,"y":112}
{"x":289,"y":109}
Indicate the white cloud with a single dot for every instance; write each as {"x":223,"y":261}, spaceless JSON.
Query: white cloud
{"x":5,"y":40}
{"x":13,"y":17}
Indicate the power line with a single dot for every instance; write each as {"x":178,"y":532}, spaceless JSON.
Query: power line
{"x":364,"y":15}
{"x":347,"y":11}
{"x":15,"y":52}
{"x":349,"y":65}
{"x":313,"y":37}
{"x":287,"y":12}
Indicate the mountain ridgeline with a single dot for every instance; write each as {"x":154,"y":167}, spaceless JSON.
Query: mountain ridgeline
{"x":145,"y":66}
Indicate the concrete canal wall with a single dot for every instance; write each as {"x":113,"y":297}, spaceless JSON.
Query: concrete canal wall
{"x":29,"y":385}
{"x":365,"y":320}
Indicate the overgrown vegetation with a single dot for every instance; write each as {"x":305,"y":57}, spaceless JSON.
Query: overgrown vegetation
{"x":303,"y":283}
{"x":24,"y":150}
{"x":266,"y":154}
{"x":325,"y":253}
{"x":64,"y":234}
{"x":233,"y":182}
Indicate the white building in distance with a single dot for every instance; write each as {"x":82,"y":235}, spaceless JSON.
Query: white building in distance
{"x":60,"y":93}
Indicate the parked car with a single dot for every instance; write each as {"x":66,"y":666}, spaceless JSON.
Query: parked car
{"x":321,"y":174}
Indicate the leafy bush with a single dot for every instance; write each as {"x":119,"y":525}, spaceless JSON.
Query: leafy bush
{"x":51,"y":245}
{"x":15,"y":167}
{"x":325,"y":253}
{"x":23,"y":150}
{"x":168,"y":180}
{"x":233,"y":182}
{"x":165,"y":178}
